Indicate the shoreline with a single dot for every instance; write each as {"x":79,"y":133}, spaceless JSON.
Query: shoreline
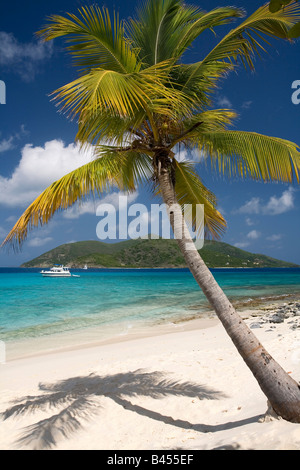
{"x":90,"y":337}
{"x":186,"y":389}
{"x":179,"y":268}
{"x":87,"y":338}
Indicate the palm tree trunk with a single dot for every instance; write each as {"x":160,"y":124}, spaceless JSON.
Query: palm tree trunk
{"x":282,"y":391}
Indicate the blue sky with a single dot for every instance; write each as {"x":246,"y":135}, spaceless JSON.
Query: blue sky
{"x":37,"y":142}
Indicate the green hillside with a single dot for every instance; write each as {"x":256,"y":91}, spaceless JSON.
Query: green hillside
{"x":148,"y":254}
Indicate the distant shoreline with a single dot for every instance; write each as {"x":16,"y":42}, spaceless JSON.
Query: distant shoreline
{"x":158,"y":268}
{"x":149,"y":254}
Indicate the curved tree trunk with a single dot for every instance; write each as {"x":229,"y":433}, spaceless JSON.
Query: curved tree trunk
{"x":282,"y":391}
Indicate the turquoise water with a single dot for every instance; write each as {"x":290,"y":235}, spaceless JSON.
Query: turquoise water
{"x":33,"y":306}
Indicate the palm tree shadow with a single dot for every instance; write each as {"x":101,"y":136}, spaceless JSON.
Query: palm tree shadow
{"x":78,"y":400}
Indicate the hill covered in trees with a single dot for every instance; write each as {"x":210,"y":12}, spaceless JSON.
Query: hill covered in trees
{"x":148,"y":253}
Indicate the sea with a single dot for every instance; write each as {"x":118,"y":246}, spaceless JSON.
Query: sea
{"x":113,"y":302}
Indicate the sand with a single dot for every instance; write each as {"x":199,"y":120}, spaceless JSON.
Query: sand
{"x":183,"y":388}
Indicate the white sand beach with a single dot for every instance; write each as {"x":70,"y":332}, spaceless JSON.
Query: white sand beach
{"x":182,"y":389}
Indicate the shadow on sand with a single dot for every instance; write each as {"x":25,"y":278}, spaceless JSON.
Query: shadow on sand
{"x":77,"y":399}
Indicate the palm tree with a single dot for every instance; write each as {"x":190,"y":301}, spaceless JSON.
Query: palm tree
{"x":276,"y":5}
{"x":135,"y":94}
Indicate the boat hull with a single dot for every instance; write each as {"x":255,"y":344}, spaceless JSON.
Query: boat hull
{"x":55,"y":275}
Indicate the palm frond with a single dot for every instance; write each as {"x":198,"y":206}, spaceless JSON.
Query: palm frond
{"x":212,"y":120}
{"x":134,"y":166}
{"x":112,"y":170}
{"x":199,"y":80}
{"x":206,"y":20}
{"x":252,"y":155}
{"x":157,"y":28}
{"x":96,"y":128}
{"x":189,"y":189}
{"x":121,"y":94}
{"x":246,"y":41}
{"x":93,"y":40}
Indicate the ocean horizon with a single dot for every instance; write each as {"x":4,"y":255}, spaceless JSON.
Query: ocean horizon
{"x":118,"y":300}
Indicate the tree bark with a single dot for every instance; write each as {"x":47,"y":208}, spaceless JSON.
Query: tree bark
{"x":282,"y":391}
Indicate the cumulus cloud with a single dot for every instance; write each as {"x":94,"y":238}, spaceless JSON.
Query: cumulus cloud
{"x":10,"y":142}
{"x":253,"y":235}
{"x":274,"y":206}
{"x":37,"y":169}
{"x":275,"y":237}
{"x":3,"y":233}
{"x":253,"y":206}
{"x":224,"y":102}
{"x":6,"y":144}
{"x":194,"y":155}
{"x":249,"y":222}
{"x":90,"y":207}
{"x":242,"y":244}
{"x":182,"y":155}
{"x":23,"y":58}
{"x":282,"y":204}
{"x":246,"y":104}
{"x":39,"y":241}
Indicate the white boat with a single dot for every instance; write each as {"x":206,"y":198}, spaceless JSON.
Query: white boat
{"x":57,"y":271}
{"x":85,"y":266}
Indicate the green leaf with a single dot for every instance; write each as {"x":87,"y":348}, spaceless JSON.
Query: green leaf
{"x":132,"y":93}
{"x":93,"y":40}
{"x":275,"y":5}
{"x":252,"y":155}
{"x":99,"y":176}
{"x":294,"y":32}
{"x":190,"y":189}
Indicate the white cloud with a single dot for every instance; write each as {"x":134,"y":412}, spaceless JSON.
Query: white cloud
{"x":247,"y":104}
{"x":90,"y":207}
{"x":253,"y":206}
{"x":11,"y":219}
{"x":253,"y":235}
{"x":9,"y":143}
{"x":39,"y":241}
{"x":249,"y":222}
{"x":194,"y":155}
{"x":275,"y":205}
{"x":282,"y":204}
{"x":242,"y":244}
{"x":37,"y":169}
{"x":6,"y":144}
{"x":182,"y":155}
{"x":3,"y":233}
{"x":224,"y":102}
{"x":275,"y":237}
{"x":22,"y":58}
{"x":78,"y":209}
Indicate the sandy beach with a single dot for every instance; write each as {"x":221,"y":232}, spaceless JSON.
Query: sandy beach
{"x":182,"y":388}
